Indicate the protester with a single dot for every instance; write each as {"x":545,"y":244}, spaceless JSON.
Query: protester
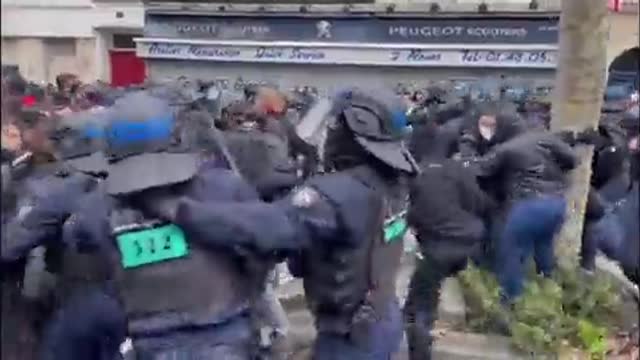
{"x":490,"y":124}
{"x":449,"y":214}
{"x":532,"y":170}
{"x":163,"y":213}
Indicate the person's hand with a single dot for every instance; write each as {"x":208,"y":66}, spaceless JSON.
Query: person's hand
{"x":592,"y":137}
{"x":65,"y":194}
{"x":568,"y":137}
{"x":58,"y":201}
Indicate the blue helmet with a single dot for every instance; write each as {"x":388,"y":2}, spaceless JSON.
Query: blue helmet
{"x":144,"y":146}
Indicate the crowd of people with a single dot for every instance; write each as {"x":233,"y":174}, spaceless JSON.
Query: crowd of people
{"x":155,"y":216}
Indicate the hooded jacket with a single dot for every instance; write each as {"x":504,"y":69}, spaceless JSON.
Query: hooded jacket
{"x":528,"y":165}
{"x":430,"y":140}
{"x":447,"y":203}
{"x":508,"y":125}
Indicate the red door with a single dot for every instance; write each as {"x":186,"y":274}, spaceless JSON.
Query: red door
{"x":126,"y":68}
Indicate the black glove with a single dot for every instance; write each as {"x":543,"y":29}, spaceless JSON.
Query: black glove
{"x":592,"y":137}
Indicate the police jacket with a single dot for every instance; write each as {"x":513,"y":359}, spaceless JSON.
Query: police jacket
{"x":352,"y":263}
{"x":336,"y":222}
{"x":193,"y":270}
{"x":85,"y":252}
{"x":46,"y":204}
{"x":529,"y":165}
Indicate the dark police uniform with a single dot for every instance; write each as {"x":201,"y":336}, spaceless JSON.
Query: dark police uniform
{"x":349,"y":261}
{"x":49,"y":197}
{"x":350,"y":280}
{"x":183,"y":296}
{"x":57,"y":197}
{"x":348,"y":225}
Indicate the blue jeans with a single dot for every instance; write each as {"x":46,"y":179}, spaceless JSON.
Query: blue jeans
{"x":529,"y":229}
{"x":382,"y":341}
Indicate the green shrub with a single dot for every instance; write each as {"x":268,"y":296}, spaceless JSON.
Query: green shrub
{"x":571,"y":309}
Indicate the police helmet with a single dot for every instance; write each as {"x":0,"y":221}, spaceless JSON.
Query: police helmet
{"x":144,"y":146}
{"x":79,"y":141}
{"x":378,"y":120}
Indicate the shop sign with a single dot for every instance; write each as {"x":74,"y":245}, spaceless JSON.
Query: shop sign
{"x":352,"y":56}
{"x":372,"y":30}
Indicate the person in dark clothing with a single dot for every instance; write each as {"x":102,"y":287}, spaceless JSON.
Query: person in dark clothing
{"x":448,"y":212}
{"x":536,"y":114}
{"x":610,"y":183}
{"x":14,"y":83}
{"x":90,"y":325}
{"x":171,"y":291}
{"x":349,"y":259}
{"x":433,"y":138}
{"x":531,"y":170}
{"x":27,"y":179}
{"x":270,"y":111}
{"x":41,"y":223}
{"x":263,"y":160}
{"x":627,"y":212}
{"x":76,"y":141}
{"x":490,"y":124}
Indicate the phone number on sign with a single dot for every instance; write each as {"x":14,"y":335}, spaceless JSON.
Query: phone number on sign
{"x":517,"y":57}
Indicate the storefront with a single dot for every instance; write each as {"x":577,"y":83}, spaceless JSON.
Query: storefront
{"x":329,"y":50}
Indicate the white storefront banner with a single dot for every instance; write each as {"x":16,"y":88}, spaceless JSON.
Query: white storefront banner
{"x":497,"y":57}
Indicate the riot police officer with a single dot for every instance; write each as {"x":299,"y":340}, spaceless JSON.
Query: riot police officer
{"x":348,"y":225}
{"x":350,"y":284}
{"x":49,"y":203}
{"x":183,"y":296}
{"x":31,"y":239}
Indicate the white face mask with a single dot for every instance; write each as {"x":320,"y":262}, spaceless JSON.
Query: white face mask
{"x":486,"y":132}
{"x":633,"y":144}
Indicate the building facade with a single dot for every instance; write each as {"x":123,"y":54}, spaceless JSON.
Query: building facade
{"x":328,"y":46}
{"x":623,"y":32}
{"x":47,"y":37}
{"x":95,"y":39}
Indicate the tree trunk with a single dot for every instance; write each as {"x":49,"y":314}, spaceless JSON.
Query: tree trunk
{"x":580,"y":81}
